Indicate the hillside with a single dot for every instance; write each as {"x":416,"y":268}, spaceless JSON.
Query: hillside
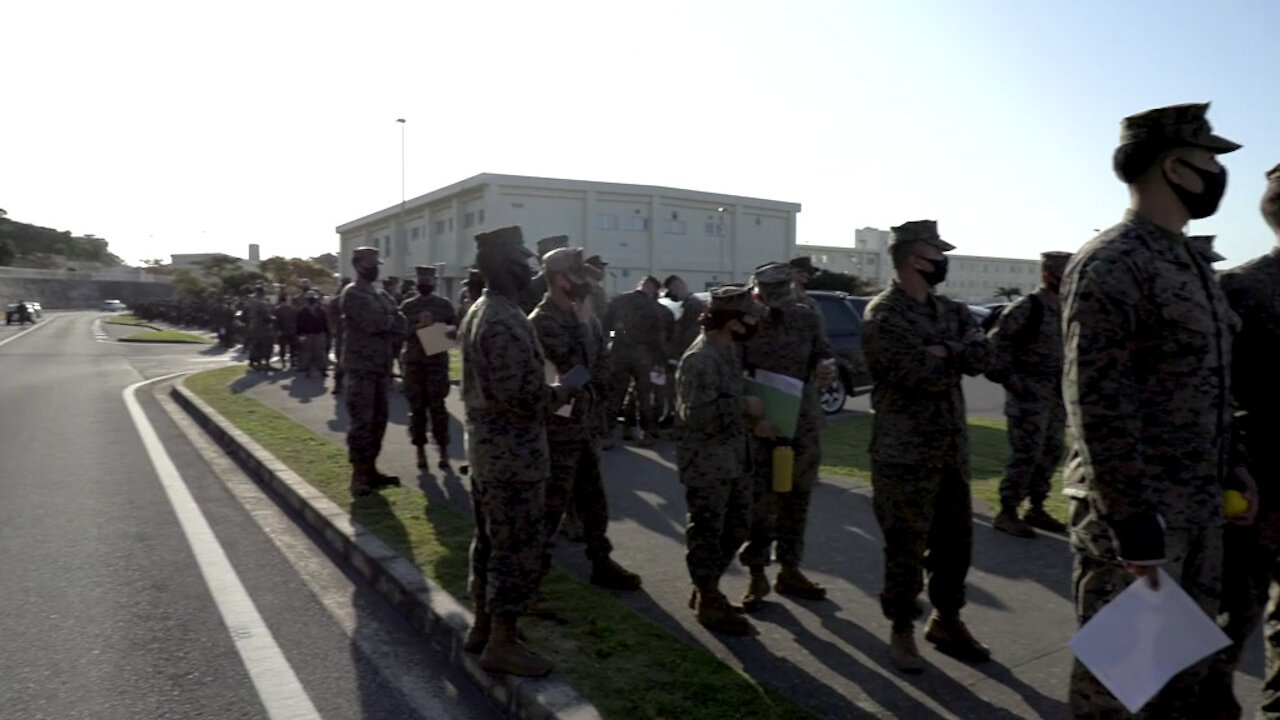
{"x":26,"y":245}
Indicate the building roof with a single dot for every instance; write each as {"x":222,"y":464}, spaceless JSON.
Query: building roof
{"x":483,"y":179}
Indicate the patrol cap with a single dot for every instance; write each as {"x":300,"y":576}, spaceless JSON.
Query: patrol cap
{"x":1174,"y":126}
{"x":507,"y":238}
{"x":365,"y":254}
{"x":1273,"y":175}
{"x":425,"y":272}
{"x":547,"y":244}
{"x":925,"y":231}
{"x":803,"y":263}
{"x":596,"y":262}
{"x":1054,"y":261}
{"x":1203,"y":244}
{"x":568,"y":261}
{"x":734,"y":297}
{"x":771,"y":274}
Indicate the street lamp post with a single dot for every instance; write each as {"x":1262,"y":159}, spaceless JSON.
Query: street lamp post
{"x":720,"y":239}
{"x":402,"y":241}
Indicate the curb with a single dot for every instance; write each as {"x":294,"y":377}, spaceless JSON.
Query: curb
{"x":428,"y":607}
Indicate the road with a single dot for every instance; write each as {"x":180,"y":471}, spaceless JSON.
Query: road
{"x":145,"y":577}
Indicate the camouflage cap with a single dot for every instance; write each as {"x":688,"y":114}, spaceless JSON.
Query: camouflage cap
{"x":365,"y":254}
{"x":772,"y":273}
{"x":596,"y":262}
{"x":925,"y":231}
{"x":1273,"y":175}
{"x":734,"y":297}
{"x":1203,"y":244}
{"x":804,"y":263}
{"x":547,"y":244}
{"x":390,"y":280}
{"x":1055,"y":261}
{"x":425,"y":272}
{"x":1175,"y":126}
{"x":507,"y":238}
{"x":568,"y":261}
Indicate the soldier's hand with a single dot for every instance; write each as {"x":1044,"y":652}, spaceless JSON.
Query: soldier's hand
{"x":826,"y":371}
{"x":425,"y":319}
{"x":452,"y":334}
{"x":1250,"y":493}
{"x":755,"y":407}
{"x":939,"y":350}
{"x":1150,"y":572}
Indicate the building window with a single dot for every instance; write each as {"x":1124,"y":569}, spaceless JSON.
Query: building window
{"x":413,"y":233}
{"x":675,"y":227}
{"x":822,"y":259}
{"x":713,"y":229}
{"x":439,"y":227}
{"x":468,"y":219}
{"x":637,"y":223}
{"x":607,"y":221}
{"x":480,"y":216}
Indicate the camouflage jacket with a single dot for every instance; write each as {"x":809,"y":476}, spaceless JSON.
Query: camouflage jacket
{"x":711,"y":427}
{"x":687,"y":328}
{"x":1029,"y":352}
{"x":567,"y":342}
{"x":286,"y":319}
{"x":333,"y":310}
{"x":1147,"y":336}
{"x":503,"y":367}
{"x":370,"y":322}
{"x":258,"y":315}
{"x":917,"y":397}
{"x":1253,"y":290}
{"x":790,"y":342}
{"x":637,"y":322}
{"x":441,"y":312}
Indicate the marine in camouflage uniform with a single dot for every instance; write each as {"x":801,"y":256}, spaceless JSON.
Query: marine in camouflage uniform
{"x":260,"y":341}
{"x":426,"y":378}
{"x":713,"y":453}
{"x":333,"y":311}
{"x":564,"y":327}
{"x":918,"y":346}
{"x":599,"y":299}
{"x":684,"y":330}
{"x":639,"y":346}
{"x":371,"y":322}
{"x":471,"y":291}
{"x":1027,"y":344}
{"x":532,"y":295}
{"x":507,"y":402}
{"x":790,"y":342}
{"x":286,"y":317}
{"x":1146,"y":383}
{"x":1251,"y":560}
{"x":391,"y":286}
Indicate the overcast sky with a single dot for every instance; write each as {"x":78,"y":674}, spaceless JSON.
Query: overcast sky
{"x":171,"y":127}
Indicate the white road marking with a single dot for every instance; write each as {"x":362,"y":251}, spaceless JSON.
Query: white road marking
{"x":98,"y":333}
{"x":278,"y":686}
{"x":33,"y":328}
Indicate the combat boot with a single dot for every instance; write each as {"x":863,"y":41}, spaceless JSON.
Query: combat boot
{"x":478,"y":633}
{"x":715,"y":613}
{"x":504,"y":653}
{"x":951,"y":637}
{"x":628,"y":434}
{"x":443,"y":462}
{"x":359,"y":480}
{"x":1037,"y":518}
{"x":1007,"y":521}
{"x":693,"y":603}
{"x":793,"y":582}
{"x":378,"y":481}
{"x":902,"y":649}
{"x":757,"y":591}
{"x":421,"y":451}
{"x":608,"y":574}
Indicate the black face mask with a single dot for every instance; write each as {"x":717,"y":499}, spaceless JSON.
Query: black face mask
{"x":938,"y":274}
{"x":1204,"y":203}
{"x":521,"y":275}
{"x":368,"y":274}
{"x":746,"y":335}
{"x":580,"y":291}
{"x":1053,"y":284}
{"x":426,"y":289}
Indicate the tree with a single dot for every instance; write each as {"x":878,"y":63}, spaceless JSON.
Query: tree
{"x":1008,"y":293}
{"x":328,"y":261}
{"x":842,"y":282}
{"x":190,"y":284}
{"x":7,"y":252}
{"x":230,"y":275}
{"x":290,"y":272}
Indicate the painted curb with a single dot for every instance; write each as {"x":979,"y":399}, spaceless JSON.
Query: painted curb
{"x":428,"y":607}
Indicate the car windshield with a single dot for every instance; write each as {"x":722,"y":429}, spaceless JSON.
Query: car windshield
{"x":838,"y":316}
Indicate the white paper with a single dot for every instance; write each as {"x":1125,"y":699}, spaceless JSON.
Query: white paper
{"x":657,"y":378}
{"x":778,"y":381}
{"x":434,"y":339}
{"x":1141,"y":639}
{"x":675,"y":306}
{"x":553,"y":378}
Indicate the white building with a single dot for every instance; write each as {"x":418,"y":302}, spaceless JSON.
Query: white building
{"x":706,"y":238}
{"x":867,"y":259}
{"x":196,"y":261}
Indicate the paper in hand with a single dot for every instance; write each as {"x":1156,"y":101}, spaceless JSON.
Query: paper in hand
{"x":435,"y":339}
{"x":576,"y":378}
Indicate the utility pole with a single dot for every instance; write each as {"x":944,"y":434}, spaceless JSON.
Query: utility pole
{"x":402,"y":243}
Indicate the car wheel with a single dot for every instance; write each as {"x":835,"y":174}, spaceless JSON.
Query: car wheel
{"x":831,"y":397}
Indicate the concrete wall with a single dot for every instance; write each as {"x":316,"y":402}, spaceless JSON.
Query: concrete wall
{"x":61,"y":290}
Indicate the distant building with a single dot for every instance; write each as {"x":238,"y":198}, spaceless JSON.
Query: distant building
{"x":195,"y":261}
{"x":706,"y":238}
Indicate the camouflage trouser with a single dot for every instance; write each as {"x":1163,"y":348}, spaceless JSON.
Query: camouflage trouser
{"x":926,"y":515}
{"x":366,"y":402}
{"x":624,"y":371}
{"x":426,"y":387}
{"x":1037,"y":423}
{"x":657,"y":398}
{"x":507,"y":549}
{"x":718,"y":522}
{"x":782,"y":517}
{"x":313,"y":354}
{"x":288,"y":349}
{"x":1194,"y":562}
{"x":575,"y":480}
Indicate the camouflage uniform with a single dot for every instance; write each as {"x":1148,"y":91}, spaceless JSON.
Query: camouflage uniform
{"x":426,"y":378}
{"x":639,"y":345}
{"x":371,"y":323}
{"x":1031,"y":361}
{"x":920,"y":441}
{"x":684,"y":331}
{"x":391,"y":286}
{"x":286,"y":315}
{"x":789,"y":342}
{"x":333,"y":311}
{"x":258,"y":315}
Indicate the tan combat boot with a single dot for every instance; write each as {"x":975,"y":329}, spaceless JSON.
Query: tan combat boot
{"x":478,"y":634}
{"x":715,"y":613}
{"x":793,"y":582}
{"x":608,"y":574}
{"x":951,"y":637}
{"x":757,"y":591}
{"x":504,"y":653}
{"x":902,"y":649}
{"x":1007,"y":521}
{"x":1037,"y":518}
{"x":359,"y":480}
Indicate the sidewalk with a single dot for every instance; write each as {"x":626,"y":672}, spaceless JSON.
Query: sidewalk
{"x":831,"y":656}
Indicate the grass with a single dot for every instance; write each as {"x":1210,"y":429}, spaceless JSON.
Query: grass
{"x":455,"y":365}
{"x":625,"y":664}
{"x":126,"y":320}
{"x":164,"y":336}
{"x":845,"y":452}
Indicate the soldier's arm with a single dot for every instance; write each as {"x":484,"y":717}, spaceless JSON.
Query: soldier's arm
{"x":821,"y":345}
{"x":661,"y":337}
{"x":701,"y":402}
{"x":558,"y":345}
{"x":363,"y":309}
{"x":1101,"y":391}
{"x":971,"y":356}
{"x":610,"y":311}
{"x":897,"y":356}
{"x":450,"y":317}
{"x":1002,"y":334}
{"x":506,"y":361}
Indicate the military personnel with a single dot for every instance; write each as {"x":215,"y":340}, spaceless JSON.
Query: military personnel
{"x":333,"y":310}
{"x":471,"y":291}
{"x":918,"y":345}
{"x":313,"y":333}
{"x":286,"y":318}
{"x":713,"y":454}
{"x":684,"y":331}
{"x":1251,"y":559}
{"x":507,"y":401}
{"x":803,"y":272}
{"x":532,"y":295}
{"x":563,"y":325}
{"x":391,"y":286}
{"x":370,"y":323}
{"x":304,"y":287}
{"x":260,"y":342}
{"x":639,"y":347}
{"x":790,"y":342}
{"x":1027,"y":359}
{"x":599,"y":299}
{"x":1146,"y":384}
{"x":408,"y":289}
{"x":426,"y":377}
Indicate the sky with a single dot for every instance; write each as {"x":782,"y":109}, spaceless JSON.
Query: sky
{"x":182,"y":127}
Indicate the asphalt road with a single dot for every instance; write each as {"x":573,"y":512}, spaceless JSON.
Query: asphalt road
{"x":143,"y":576}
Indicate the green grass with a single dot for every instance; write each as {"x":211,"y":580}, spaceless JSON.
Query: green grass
{"x":126,"y":320}
{"x":625,"y":664}
{"x":164,"y":336}
{"x":844,"y":452}
{"x":455,"y":365}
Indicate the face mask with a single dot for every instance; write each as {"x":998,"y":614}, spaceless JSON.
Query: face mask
{"x":1205,"y":203}
{"x":521,"y":275}
{"x":426,"y":289}
{"x":580,"y":291}
{"x":746,"y":335}
{"x":938,"y":274}
{"x":1053,"y":284}
{"x":368,"y":274}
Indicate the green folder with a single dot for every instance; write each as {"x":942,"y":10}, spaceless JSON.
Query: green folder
{"x":781,"y":396}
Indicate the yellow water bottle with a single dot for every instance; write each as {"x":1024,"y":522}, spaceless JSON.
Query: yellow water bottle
{"x":1234,"y":502}
{"x":784,"y":466}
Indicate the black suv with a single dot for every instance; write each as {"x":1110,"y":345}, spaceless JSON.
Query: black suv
{"x":842,"y":314}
